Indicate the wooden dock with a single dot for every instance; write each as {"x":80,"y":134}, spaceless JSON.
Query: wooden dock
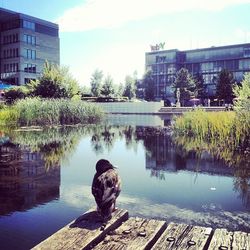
{"x":133,"y":233}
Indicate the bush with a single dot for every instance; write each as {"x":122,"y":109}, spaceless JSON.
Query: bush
{"x":15,"y":93}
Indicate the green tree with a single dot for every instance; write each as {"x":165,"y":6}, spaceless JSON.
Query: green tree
{"x":148,"y":82}
{"x":224,"y":88}
{"x":119,"y":90}
{"x":242,"y":93}
{"x":199,"y":86}
{"x":185,"y":82}
{"x":129,"y":89}
{"x":108,"y":87}
{"x":55,"y":82}
{"x":96,"y":82}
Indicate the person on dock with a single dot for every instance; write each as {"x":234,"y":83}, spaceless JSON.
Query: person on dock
{"x":106,"y":187}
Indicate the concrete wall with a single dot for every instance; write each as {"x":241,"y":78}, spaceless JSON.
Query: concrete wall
{"x":131,"y":107}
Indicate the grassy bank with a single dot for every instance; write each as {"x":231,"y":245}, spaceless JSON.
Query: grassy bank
{"x":47,"y":112}
{"x":224,"y":134}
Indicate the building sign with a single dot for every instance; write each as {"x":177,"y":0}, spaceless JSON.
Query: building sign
{"x":157,"y":46}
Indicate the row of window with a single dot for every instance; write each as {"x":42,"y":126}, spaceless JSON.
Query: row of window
{"x":207,"y":67}
{"x":28,"y":80}
{"x":12,"y":38}
{"x":10,"y":53}
{"x":10,"y":67}
{"x":30,"y":54}
{"x":29,"y":39}
{"x":13,"y":67}
{"x":28,"y":25}
{"x":30,"y":68}
{"x":14,"y":52}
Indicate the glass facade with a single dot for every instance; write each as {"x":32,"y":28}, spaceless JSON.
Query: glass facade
{"x":208,"y":62}
{"x":23,"y":49}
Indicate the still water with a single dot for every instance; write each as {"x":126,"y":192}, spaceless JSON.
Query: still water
{"x":46,"y":175}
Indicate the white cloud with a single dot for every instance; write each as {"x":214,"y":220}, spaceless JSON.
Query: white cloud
{"x":96,"y":14}
{"x":211,"y":215}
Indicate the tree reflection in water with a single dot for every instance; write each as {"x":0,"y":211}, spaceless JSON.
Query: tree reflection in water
{"x":235,"y":155}
{"x":164,"y":152}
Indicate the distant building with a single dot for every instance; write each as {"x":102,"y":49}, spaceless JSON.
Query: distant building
{"x":26,"y":42}
{"x":207,"y":61}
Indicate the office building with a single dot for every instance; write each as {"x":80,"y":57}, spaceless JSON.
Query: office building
{"x":207,"y":61}
{"x":26,"y":43}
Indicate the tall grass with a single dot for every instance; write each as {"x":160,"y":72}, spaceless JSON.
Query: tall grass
{"x":36,"y":111}
{"x":224,"y":134}
{"x":205,"y":125}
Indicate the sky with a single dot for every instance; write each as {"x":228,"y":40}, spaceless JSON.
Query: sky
{"x":113,"y":35}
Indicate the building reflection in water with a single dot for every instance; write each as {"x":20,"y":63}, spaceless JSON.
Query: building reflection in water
{"x":25,"y":182}
{"x":162,"y":156}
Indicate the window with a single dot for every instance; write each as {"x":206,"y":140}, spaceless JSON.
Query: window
{"x":30,"y":68}
{"x":27,"y":80}
{"x":30,"y":54}
{"x":29,"y":39}
{"x":33,"y":54}
{"x":28,"y":25}
{"x":247,"y":52}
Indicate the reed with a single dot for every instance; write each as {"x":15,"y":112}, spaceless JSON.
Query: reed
{"x":224,"y":134}
{"x":47,"y":112}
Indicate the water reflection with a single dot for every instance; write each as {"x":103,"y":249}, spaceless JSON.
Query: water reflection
{"x":30,"y":160}
{"x":24,"y":180}
{"x":235,"y":156}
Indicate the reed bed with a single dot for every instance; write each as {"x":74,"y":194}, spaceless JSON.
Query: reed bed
{"x":48,"y":112}
{"x":224,"y":134}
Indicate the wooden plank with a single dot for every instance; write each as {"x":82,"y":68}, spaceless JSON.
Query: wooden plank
{"x":241,"y":241}
{"x":182,"y":236}
{"x":83,"y":232}
{"x":222,"y":240}
{"x":135,"y":233}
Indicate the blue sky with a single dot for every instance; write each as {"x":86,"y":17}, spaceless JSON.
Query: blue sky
{"x":113,"y":35}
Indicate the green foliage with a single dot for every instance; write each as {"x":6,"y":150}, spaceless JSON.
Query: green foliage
{"x":55,"y":82}
{"x":36,"y":111}
{"x":224,"y":86}
{"x":119,"y":90}
{"x":242,"y":93}
{"x":148,"y":82}
{"x":96,"y":82}
{"x":129,"y":89}
{"x":199,"y":86}
{"x":107,"y":89}
{"x":8,"y":116}
{"x":186,"y":84}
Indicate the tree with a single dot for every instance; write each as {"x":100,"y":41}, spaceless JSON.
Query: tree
{"x":224,"y":88}
{"x":186,"y":85}
{"x":108,"y":87}
{"x":242,"y":93}
{"x":199,"y":86}
{"x":119,"y":90}
{"x":96,"y":82}
{"x":148,"y":82}
{"x":129,"y":89}
{"x":55,"y":82}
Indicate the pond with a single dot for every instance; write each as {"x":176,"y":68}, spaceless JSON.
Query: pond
{"x":46,"y":176}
